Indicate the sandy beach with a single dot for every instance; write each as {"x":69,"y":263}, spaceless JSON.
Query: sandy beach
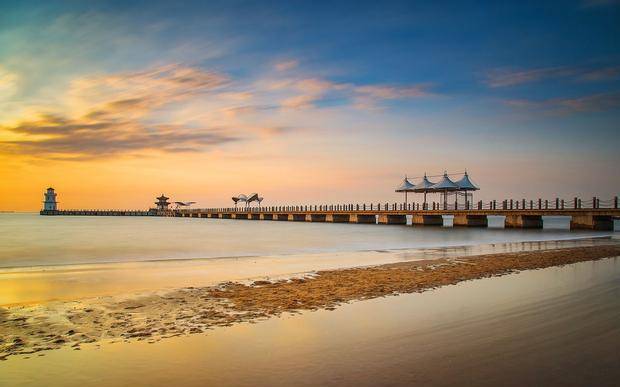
{"x":31,"y":330}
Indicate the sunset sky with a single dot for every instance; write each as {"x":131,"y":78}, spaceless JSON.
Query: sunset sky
{"x":113,"y":103}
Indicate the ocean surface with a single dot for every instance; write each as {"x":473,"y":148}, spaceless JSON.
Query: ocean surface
{"x":28,"y":239}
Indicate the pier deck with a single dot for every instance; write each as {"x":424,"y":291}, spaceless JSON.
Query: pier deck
{"x":594,"y":214}
{"x":98,"y":213}
{"x":594,"y":219}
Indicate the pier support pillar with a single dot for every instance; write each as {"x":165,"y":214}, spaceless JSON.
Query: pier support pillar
{"x":427,"y":220}
{"x":266,"y":217}
{"x":315,"y":218}
{"x":392,"y":219}
{"x":358,"y":218}
{"x":337,"y":218}
{"x":470,"y":220}
{"x":592,"y":222}
{"x":240,"y":216}
{"x":524,"y":221}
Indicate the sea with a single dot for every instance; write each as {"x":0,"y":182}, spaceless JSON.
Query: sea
{"x":29,"y":240}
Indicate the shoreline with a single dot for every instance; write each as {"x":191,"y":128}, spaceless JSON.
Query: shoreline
{"x":102,"y":265}
{"x":159,"y":315}
{"x":70,"y":283}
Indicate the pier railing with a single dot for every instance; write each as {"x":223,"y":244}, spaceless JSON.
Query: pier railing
{"x":507,"y":204}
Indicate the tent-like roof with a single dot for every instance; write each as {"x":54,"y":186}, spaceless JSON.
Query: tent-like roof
{"x":405,"y":186}
{"x":424,"y":186}
{"x":466,"y":185}
{"x":240,"y":198}
{"x":445,"y":184}
{"x":184,"y":204}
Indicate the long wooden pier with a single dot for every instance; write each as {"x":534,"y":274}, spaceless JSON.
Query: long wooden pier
{"x":593,"y":215}
{"x":99,"y":213}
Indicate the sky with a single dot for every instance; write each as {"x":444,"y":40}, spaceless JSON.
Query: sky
{"x":113,"y":103}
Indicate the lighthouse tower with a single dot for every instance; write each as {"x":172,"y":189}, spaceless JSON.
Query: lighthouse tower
{"x":50,"y":203}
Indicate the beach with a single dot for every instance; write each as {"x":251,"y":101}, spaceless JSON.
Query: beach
{"x":556,"y":325}
{"x":154,"y":316}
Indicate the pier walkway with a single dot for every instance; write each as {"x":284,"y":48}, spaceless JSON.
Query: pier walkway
{"x":593,"y":214}
{"x":98,"y":212}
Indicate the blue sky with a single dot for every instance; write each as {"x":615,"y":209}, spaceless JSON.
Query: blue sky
{"x":375,"y":90}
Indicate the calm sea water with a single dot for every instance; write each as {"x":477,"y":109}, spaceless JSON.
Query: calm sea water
{"x":27,"y":239}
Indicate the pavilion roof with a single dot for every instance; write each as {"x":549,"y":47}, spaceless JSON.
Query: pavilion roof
{"x":240,"y":198}
{"x":405,"y":186}
{"x":445,"y":184}
{"x":466,"y":184}
{"x":424,"y":186}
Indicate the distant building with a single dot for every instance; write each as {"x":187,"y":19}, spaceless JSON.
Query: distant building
{"x":162,"y":203}
{"x":50,"y":203}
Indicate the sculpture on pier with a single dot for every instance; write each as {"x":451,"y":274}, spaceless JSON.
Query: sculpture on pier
{"x":183,"y":204}
{"x":247,"y":199}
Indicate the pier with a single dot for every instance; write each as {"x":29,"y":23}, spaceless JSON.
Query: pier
{"x":593,"y":214}
{"x":99,"y":213}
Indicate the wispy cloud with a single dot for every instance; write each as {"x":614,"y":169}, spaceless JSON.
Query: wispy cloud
{"x":112,"y":115}
{"x":589,"y":103}
{"x":287,"y":65}
{"x":8,"y":83}
{"x":307,"y":92}
{"x":507,"y":77}
{"x":177,"y":108}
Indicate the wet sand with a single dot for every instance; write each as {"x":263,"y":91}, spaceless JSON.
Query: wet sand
{"x":30,"y":330}
{"x":39,"y":284}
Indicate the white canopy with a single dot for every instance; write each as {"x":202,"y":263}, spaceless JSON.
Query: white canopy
{"x":405,"y":186}
{"x":424,"y":186}
{"x":445,"y":184}
{"x":466,"y":185}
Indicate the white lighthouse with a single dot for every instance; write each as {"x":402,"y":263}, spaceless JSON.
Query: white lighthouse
{"x":50,"y":203}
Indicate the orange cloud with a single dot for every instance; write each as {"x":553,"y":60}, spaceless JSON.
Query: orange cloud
{"x":112,"y":113}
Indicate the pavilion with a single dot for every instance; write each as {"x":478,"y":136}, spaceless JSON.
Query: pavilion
{"x":406,"y":187}
{"x":445,"y":187}
{"x":424,"y":187}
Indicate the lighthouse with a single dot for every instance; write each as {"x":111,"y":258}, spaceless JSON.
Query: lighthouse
{"x":50,"y":203}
